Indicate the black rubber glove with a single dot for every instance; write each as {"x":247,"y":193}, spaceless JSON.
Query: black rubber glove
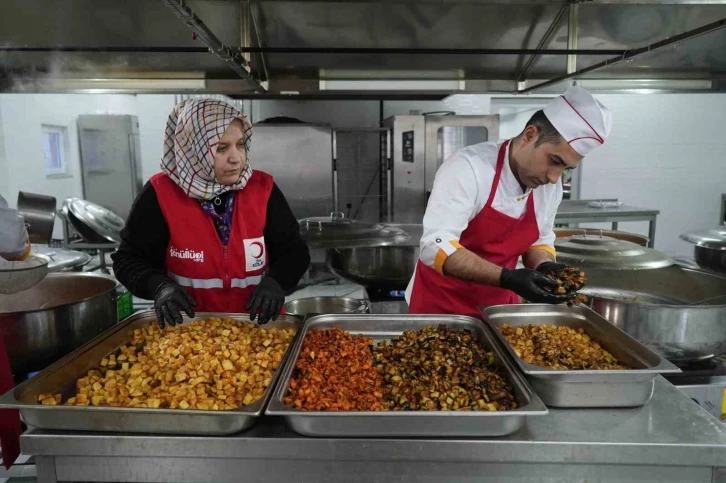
{"x":168,"y":299}
{"x":530,"y":284}
{"x":267,"y":301}
{"x":549,"y":267}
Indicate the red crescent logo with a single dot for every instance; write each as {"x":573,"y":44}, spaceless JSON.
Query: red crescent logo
{"x":260,"y":249}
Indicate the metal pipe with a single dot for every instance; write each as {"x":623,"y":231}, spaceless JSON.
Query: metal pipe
{"x":574,"y":10}
{"x":389,"y":178}
{"x":629,"y":54}
{"x":259,"y":41}
{"x":245,"y":34}
{"x":122,"y":49}
{"x":518,"y":2}
{"x":543,"y":42}
{"x":236,"y":52}
{"x":233,"y":58}
{"x":428,"y":50}
{"x":335,"y":173}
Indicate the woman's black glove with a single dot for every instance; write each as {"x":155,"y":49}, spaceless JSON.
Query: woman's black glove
{"x":267,"y":301}
{"x":529,"y":284}
{"x":168,"y":299}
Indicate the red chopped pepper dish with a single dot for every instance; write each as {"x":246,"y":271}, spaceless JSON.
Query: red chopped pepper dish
{"x":335,"y":372}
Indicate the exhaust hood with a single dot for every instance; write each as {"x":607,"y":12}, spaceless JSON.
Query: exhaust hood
{"x":254,"y":49}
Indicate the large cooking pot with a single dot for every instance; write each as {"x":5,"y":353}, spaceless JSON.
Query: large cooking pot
{"x":54,"y":317}
{"x":39,"y":214}
{"x":618,"y":235}
{"x":653,"y":306}
{"x":386,"y":267}
{"x":710,"y":249}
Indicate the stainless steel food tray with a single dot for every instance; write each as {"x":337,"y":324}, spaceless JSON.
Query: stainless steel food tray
{"x":587,"y":388}
{"x":62,"y":375}
{"x":405,"y":423}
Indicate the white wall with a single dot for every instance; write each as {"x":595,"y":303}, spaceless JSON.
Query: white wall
{"x":23,"y":115}
{"x":665,"y":152}
{"x":153,"y":112}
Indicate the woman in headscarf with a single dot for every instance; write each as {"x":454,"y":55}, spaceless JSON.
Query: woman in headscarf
{"x":209,"y":232}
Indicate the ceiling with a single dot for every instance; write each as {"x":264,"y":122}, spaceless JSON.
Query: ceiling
{"x":359,"y":48}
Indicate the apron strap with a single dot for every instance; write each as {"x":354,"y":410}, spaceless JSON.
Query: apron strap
{"x":498,"y":173}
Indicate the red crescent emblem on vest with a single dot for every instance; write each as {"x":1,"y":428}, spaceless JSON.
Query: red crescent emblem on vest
{"x":260,"y":248}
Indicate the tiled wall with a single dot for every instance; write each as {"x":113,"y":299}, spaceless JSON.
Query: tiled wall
{"x":666,"y":152}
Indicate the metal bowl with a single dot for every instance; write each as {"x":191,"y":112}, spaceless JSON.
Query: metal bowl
{"x":54,"y":317}
{"x":389,"y":267}
{"x":654,"y":307}
{"x":325,"y":305}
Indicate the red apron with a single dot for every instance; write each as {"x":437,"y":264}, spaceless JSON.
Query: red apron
{"x":220,"y":278}
{"x":494,"y":236}
{"x":9,"y":418}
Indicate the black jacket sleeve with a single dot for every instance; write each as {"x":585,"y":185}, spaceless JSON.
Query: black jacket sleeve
{"x":139,"y":262}
{"x":288,"y":254}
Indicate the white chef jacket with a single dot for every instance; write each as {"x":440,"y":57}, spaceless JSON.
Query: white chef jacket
{"x":461,"y":189}
{"x":13,"y":236}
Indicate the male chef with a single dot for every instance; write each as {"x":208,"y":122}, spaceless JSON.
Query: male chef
{"x":494,"y":202}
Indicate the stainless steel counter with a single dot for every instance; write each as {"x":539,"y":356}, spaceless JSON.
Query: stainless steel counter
{"x":671,"y":439}
{"x":577,"y":211}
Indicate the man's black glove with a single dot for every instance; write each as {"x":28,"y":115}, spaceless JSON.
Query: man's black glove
{"x":267,"y":301}
{"x":530,"y":285}
{"x":168,"y":299}
{"x":550,"y":267}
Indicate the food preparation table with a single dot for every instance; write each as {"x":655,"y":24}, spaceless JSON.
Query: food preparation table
{"x":577,"y":211}
{"x":670,"y":440}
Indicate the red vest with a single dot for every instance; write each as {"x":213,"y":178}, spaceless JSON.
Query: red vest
{"x":492,"y":235}
{"x":220,"y":278}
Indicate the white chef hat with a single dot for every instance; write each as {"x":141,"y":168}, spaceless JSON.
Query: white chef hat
{"x":580,"y":118}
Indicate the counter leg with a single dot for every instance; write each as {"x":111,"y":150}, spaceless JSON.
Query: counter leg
{"x":651,"y":233}
{"x":45,"y":469}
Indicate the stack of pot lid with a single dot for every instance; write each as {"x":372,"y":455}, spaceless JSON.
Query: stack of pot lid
{"x":608,"y":253}
{"x":62,"y":260}
{"x":336,"y":231}
{"x":714,"y":239}
{"x":93,"y":222}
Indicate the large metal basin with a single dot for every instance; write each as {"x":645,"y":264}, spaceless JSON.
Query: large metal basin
{"x":652,"y":306}
{"x":379,"y":267}
{"x":54,"y":317}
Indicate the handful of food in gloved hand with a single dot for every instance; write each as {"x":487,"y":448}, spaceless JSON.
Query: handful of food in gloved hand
{"x":569,"y":279}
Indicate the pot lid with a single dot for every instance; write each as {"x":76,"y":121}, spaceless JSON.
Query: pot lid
{"x":336,"y":231}
{"x":101,"y":220}
{"x":608,"y":253}
{"x":714,"y":239}
{"x":60,"y":259}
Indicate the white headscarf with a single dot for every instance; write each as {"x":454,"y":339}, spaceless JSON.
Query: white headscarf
{"x":192,"y":134}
